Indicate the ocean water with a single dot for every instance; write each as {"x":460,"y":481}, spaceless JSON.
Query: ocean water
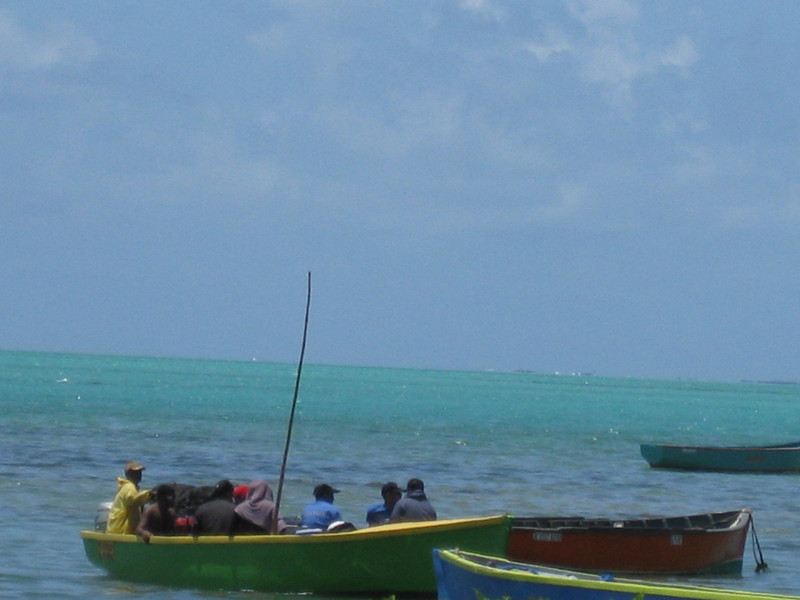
{"x":483,"y":442}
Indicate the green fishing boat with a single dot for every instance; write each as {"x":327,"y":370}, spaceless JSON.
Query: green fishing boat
{"x":387,"y":559}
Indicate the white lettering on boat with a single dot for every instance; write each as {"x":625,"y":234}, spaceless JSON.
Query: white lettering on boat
{"x":547,"y":536}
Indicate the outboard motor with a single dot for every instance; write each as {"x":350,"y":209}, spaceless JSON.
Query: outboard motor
{"x":101,"y":516}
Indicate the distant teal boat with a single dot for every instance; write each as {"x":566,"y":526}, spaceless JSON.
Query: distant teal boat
{"x":783,"y":458}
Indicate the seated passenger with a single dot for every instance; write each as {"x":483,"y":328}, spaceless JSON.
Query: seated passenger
{"x":158,"y":518}
{"x":381,"y":513}
{"x":256,"y":513}
{"x":415,"y":505}
{"x":217,"y":516}
{"x":321,"y":513}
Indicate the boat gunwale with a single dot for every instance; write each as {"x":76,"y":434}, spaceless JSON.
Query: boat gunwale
{"x":730,"y":521}
{"x":387,"y":530}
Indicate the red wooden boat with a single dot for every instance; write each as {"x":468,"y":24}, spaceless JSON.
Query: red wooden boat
{"x":711,"y":542}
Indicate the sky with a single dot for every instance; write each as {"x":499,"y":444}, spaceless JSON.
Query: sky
{"x":594,"y":186}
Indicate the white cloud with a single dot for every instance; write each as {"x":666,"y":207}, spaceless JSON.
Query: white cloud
{"x":485,"y":9}
{"x":617,"y":12}
{"x":612,"y":63}
{"x":554,"y":43}
{"x":682,"y":54}
{"x":748,"y":215}
{"x":608,"y":48}
{"x":62,"y":44}
{"x":270,"y":40}
{"x":570,"y":205}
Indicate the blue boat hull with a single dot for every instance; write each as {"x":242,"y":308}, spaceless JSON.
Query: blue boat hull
{"x":467,"y":576}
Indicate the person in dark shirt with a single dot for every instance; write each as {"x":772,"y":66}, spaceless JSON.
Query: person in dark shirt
{"x":414,"y":506}
{"x":217,"y":515}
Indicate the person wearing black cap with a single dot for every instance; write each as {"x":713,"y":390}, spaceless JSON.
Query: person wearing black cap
{"x":415,"y":505}
{"x":126,"y":510}
{"x":381,"y":513}
{"x":321,"y":513}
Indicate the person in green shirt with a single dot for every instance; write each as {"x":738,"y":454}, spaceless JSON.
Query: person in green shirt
{"x":126,"y":510}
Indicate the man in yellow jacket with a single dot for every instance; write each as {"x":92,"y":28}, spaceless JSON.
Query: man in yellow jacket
{"x":126,"y":510}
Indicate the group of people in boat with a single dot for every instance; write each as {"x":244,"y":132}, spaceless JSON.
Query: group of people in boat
{"x":229,"y":510}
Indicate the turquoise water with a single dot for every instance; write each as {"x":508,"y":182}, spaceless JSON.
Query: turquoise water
{"x":483,"y":443}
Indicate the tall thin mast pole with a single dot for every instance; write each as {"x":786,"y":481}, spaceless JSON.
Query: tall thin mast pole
{"x":294,"y":405}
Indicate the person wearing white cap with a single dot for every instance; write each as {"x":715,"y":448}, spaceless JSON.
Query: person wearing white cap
{"x":126,"y":510}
